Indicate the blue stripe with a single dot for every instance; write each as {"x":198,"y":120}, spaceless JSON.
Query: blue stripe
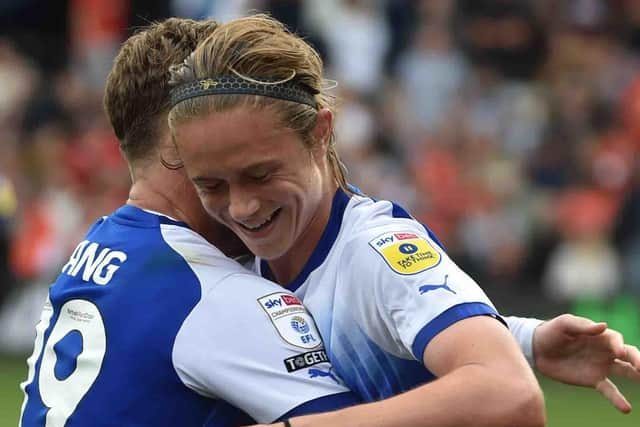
{"x":375,"y":375}
{"x":340,"y":201}
{"x":388,"y":383}
{"x":323,"y":404}
{"x":446,"y":319}
{"x":358,"y":381}
{"x":399,"y":212}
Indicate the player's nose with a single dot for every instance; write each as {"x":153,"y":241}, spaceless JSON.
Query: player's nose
{"x":242,"y":204}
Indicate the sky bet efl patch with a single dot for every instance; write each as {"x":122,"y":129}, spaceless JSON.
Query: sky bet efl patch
{"x":406,"y":253}
{"x":291,"y":319}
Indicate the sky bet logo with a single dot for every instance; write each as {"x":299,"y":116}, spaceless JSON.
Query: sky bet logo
{"x":396,"y":236}
{"x":283,"y":300}
{"x":273,"y":303}
{"x":406,"y":252}
{"x":384,"y":241}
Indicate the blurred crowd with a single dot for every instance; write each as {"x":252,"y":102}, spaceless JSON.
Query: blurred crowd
{"x":510,"y":127}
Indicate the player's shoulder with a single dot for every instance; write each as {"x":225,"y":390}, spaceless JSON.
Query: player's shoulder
{"x":196,"y":250}
{"x":380,"y":233}
{"x":368,"y":220}
{"x":147,"y":249}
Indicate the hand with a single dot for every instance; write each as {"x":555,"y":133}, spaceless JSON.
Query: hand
{"x":577,"y":351}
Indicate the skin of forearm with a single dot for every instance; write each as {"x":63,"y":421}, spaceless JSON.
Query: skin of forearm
{"x":471,"y":395}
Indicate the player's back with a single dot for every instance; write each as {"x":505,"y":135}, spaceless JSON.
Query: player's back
{"x":104,"y":352}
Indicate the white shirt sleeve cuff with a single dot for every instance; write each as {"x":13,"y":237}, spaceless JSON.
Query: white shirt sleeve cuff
{"x":522,"y":329}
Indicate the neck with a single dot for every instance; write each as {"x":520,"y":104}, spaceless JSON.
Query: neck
{"x":287,"y":267}
{"x":169,"y":193}
{"x":146,"y":195}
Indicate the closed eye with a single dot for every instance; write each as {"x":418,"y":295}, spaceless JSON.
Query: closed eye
{"x":262,"y":176}
{"x":261,"y":172}
{"x":209,"y":186}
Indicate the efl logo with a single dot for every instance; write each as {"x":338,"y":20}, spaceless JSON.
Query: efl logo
{"x":291,"y":320}
{"x":291,"y":300}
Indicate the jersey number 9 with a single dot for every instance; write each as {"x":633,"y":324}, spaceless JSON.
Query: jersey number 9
{"x":62,"y":393}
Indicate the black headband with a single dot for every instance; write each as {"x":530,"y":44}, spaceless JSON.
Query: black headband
{"x":233,"y":85}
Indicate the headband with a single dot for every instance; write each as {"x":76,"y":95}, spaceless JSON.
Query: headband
{"x":233,"y":85}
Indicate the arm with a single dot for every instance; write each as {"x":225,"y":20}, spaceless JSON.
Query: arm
{"x":484,"y":381}
{"x":433,"y":311}
{"x":413,"y":302}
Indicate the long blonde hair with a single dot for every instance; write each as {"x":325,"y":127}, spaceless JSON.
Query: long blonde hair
{"x":258,"y":48}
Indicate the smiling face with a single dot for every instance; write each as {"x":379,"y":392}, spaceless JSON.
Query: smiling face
{"x":258,"y":178}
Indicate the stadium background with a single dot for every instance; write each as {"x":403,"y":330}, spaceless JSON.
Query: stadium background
{"x":512,"y":128}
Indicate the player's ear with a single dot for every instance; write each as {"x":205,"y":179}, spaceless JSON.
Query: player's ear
{"x":321,"y":133}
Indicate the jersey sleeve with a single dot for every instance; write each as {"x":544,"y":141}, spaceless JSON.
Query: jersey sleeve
{"x":522,"y":329}
{"x":405,"y":289}
{"x":254,"y":345}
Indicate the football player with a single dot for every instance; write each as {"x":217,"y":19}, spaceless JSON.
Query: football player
{"x":253,"y":125}
{"x":149,"y":324}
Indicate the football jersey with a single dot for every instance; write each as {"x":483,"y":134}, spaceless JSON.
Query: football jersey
{"x":150,"y":325}
{"x":380,"y":286}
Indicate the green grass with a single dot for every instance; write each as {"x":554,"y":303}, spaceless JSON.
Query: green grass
{"x":12,"y":372}
{"x":569,"y":406}
{"x":566,"y":406}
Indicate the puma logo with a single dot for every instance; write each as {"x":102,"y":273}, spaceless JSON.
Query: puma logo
{"x":313,"y":373}
{"x":426,"y":288}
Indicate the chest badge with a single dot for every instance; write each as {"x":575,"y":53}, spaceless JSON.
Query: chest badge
{"x":291,"y":319}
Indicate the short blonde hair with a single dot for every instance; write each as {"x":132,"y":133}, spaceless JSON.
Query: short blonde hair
{"x":137,"y":91}
{"x":258,"y":48}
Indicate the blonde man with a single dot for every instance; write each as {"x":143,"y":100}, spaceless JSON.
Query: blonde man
{"x":254,"y":129}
